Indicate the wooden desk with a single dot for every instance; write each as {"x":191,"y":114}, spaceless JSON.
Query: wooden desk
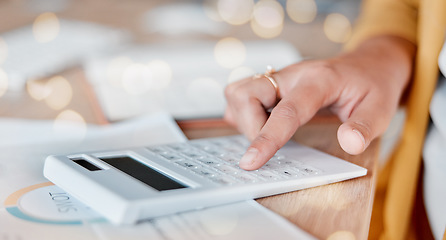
{"x":335,"y":211}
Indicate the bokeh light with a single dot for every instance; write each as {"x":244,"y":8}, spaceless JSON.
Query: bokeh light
{"x":46,"y":27}
{"x":161,"y":74}
{"x":235,"y":12}
{"x":3,"y":82}
{"x":61,"y":93}
{"x":267,"y":21}
{"x":137,"y":78}
{"x":337,"y":28}
{"x":301,"y":11}
{"x":3,"y":51}
{"x":240,"y":73}
{"x":230,"y":52}
{"x":38,"y":90}
{"x":210,"y":8}
{"x":115,"y":70}
{"x":70,"y":125}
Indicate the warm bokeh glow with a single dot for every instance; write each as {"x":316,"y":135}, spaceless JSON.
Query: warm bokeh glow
{"x":137,"y":78}
{"x":301,"y":11}
{"x":3,"y":82}
{"x":235,"y":12}
{"x":267,"y":21}
{"x":161,"y":74}
{"x":70,"y":125}
{"x":46,"y":27}
{"x":230,"y":52}
{"x":3,"y":51}
{"x":38,"y":90}
{"x":240,"y":73}
{"x":115,"y":70}
{"x":337,"y":28}
{"x":61,"y":93}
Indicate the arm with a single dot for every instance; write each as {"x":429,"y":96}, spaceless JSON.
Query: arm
{"x":362,"y":87}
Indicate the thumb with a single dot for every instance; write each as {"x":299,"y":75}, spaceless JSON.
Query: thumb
{"x":354,"y":137}
{"x":366,"y":122}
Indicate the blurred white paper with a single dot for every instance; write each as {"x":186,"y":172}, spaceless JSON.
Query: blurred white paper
{"x":182,"y":19}
{"x":186,"y":79}
{"x":25,"y":144}
{"x":30,"y":202}
{"x":243,"y":220}
{"x":158,"y":128}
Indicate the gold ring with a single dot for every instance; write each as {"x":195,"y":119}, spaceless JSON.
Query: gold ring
{"x":269,"y":75}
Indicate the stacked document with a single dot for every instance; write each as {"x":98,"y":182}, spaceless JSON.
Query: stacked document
{"x":26,"y":57}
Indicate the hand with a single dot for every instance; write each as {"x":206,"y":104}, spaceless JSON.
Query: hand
{"x":363,"y":88}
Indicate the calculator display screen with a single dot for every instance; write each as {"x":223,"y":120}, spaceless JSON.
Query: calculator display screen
{"x":143,"y":173}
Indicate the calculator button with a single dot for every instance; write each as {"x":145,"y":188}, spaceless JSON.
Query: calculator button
{"x":214,"y":152}
{"x":230,"y":159}
{"x":171,"y":156}
{"x":210,"y":162}
{"x":307,"y":170}
{"x":225,"y":180}
{"x":270,"y":165}
{"x":267,"y":175}
{"x":288,"y":173}
{"x":193,"y":154}
{"x":204,"y":172}
{"x":228,"y":169}
{"x":289,"y":163}
{"x":246,"y":177}
{"x":187,"y":164}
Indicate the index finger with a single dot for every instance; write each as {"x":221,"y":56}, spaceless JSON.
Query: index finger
{"x":291,"y":112}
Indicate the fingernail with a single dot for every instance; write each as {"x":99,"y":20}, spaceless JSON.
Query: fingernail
{"x":249,"y":158}
{"x":360,"y":136}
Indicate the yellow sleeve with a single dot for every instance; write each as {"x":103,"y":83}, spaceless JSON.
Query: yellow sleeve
{"x":385,"y":17}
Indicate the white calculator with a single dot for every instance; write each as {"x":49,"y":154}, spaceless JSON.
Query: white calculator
{"x":127,"y":186}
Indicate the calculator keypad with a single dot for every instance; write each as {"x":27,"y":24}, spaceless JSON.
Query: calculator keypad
{"x":217,"y":160}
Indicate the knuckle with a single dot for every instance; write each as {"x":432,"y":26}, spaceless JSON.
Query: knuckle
{"x":286,"y":110}
{"x":326,"y":67}
{"x":237,"y":94}
{"x":323,"y":68}
{"x":268,"y":140}
{"x":230,"y":90}
{"x":365,"y":127}
{"x":229,"y":119}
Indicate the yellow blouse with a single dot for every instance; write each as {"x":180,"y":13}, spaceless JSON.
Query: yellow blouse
{"x":424,"y":23}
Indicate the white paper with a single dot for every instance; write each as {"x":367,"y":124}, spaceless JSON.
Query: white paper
{"x":180,"y":88}
{"x":243,"y":220}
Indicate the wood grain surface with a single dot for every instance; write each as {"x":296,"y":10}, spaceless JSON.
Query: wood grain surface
{"x":335,"y":211}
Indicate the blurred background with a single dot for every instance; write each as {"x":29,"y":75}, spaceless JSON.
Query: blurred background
{"x":119,"y":59}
